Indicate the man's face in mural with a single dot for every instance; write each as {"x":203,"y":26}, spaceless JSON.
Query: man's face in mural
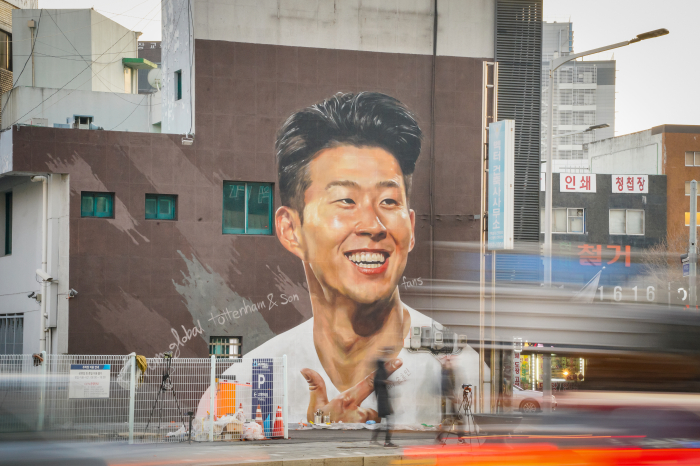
{"x":357,"y":229}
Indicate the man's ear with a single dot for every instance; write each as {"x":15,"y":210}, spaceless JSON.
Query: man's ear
{"x":412,"y":215}
{"x":288,"y":225}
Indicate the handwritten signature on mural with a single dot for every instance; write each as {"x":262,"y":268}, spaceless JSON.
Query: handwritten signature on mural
{"x":180,"y":342}
{"x":227,"y":315}
{"x":411,"y":283}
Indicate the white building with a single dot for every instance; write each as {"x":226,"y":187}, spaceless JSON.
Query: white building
{"x":76,"y":68}
{"x":584,"y":95}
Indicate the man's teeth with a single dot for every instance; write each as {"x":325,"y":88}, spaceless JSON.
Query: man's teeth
{"x":369,"y":260}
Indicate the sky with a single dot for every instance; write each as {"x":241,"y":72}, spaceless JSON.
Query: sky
{"x":657,"y":80}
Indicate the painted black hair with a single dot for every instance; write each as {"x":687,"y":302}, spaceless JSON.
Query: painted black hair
{"x":363,"y":119}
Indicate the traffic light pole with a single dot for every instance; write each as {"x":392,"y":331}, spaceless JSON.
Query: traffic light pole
{"x":692,"y":244}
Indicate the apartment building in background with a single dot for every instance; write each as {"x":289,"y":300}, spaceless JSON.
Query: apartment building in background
{"x":584,"y":95}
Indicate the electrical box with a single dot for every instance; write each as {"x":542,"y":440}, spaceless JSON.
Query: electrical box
{"x":426,"y":339}
{"x":415,"y":337}
{"x":437,"y":341}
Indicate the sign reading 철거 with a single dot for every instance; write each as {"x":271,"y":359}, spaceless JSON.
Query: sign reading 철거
{"x":89,"y":381}
{"x":500,"y":188}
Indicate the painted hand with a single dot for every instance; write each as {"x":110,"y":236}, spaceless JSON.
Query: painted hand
{"x":346,"y":406}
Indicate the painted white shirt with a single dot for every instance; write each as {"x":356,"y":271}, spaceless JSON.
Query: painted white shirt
{"x":415,"y":393}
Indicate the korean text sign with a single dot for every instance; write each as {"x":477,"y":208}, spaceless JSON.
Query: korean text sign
{"x":89,"y":381}
{"x":630,"y":184}
{"x":578,"y":183}
{"x":500,"y":186}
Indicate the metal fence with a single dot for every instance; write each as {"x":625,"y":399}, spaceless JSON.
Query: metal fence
{"x":106,"y":398}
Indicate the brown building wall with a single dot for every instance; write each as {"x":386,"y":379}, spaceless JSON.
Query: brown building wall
{"x":675,"y":146}
{"x":143,"y":284}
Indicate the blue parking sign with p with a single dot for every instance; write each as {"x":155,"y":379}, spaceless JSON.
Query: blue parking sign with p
{"x":262,"y":388}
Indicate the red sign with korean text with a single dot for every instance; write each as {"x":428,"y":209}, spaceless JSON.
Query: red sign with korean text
{"x":630,"y":184}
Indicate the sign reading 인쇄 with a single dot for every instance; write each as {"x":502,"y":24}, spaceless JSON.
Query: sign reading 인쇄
{"x":576,"y":183}
{"x":89,"y":381}
{"x":262,"y":388}
{"x":500,"y":187}
{"x":630,"y":184}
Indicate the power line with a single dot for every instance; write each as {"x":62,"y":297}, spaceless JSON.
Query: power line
{"x":2,"y":111}
{"x":127,"y":117}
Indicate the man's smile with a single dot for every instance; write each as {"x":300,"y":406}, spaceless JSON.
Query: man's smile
{"x":369,"y":261}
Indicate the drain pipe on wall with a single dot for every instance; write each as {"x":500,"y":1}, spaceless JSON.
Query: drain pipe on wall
{"x":45,"y":278}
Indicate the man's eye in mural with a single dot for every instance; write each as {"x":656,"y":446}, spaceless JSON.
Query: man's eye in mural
{"x":391,"y":202}
{"x":347,"y":201}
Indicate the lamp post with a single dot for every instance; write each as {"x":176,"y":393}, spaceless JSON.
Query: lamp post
{"x":587,"y":130}
{"x":554,"y":64}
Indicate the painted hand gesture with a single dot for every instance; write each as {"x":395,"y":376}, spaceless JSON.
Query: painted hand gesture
{"x":346,"y":406}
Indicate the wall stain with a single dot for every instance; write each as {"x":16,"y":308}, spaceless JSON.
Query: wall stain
{"x":207,"y":296}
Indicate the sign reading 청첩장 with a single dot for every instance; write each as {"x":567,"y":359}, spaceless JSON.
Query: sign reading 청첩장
{"x":89,"y":381}
{"x":576,"y":183}
{"x":630,"y":184}
{"x":500,"y":189}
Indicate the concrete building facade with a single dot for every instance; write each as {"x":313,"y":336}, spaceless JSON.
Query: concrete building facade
{"x":665,"y":150}
{"x":83,"y":73}
{"x":127,"y":267}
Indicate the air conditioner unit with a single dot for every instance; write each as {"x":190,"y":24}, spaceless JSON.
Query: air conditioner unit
{"x":39,"y":122}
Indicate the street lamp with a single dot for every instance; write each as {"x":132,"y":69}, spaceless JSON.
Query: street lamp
{"x":587,"y":130}
{"x":554,"y":64}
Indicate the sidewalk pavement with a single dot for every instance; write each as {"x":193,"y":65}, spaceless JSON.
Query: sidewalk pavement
{"x":342,"y":448}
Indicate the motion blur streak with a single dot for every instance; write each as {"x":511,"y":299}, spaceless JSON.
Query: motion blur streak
{"x":545,"y":455}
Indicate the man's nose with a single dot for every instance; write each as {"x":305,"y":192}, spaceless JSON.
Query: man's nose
{"x":369,"y":223}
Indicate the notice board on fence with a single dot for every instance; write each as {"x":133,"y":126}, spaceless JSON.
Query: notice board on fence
{"x":89,"y":381}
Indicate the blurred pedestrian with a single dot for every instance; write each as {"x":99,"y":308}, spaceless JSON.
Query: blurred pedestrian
{"x":381,"y":389}
{"x":448,"y":414}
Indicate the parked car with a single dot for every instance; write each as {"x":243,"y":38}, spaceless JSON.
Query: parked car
{"x":529,"y":401}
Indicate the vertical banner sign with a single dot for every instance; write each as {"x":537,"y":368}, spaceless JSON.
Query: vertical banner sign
{"x":89,"y":381}
{"x":262,"y":388}
{"x":501,"y":179}
{"x":516,"y":369}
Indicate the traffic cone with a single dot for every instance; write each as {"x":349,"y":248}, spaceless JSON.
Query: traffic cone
{"x":278,"y":428}
{"x":258,"y":418}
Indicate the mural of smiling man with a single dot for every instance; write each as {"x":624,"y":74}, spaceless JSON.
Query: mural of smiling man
{"x":345,"y":167}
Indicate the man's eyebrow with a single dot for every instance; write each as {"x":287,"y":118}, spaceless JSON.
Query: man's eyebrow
{"x":388,"y":184}
{"x":342,"y":183}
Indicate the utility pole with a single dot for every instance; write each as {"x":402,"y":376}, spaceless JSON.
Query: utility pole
{"x":693,"y":244}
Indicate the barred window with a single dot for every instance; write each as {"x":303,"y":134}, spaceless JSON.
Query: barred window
{"x":11,"y":333}
{"x":225,"y":347}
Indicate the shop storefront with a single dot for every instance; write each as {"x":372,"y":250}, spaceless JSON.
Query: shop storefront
{"x":567,"y":371}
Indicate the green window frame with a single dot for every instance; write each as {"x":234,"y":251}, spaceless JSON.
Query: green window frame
{"x":95,"y":204}
{"x":161,"y":207}
{"x":225,"y":347}
{"x":247,"y":208}
{"x":178,"y":87}
{"x":8,"y":223}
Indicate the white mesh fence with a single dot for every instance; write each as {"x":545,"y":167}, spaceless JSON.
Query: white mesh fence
{"x":106,"y":398}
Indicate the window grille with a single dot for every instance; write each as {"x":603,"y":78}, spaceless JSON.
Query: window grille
{"x":11,"y":333}
{"x":225,"y":347}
